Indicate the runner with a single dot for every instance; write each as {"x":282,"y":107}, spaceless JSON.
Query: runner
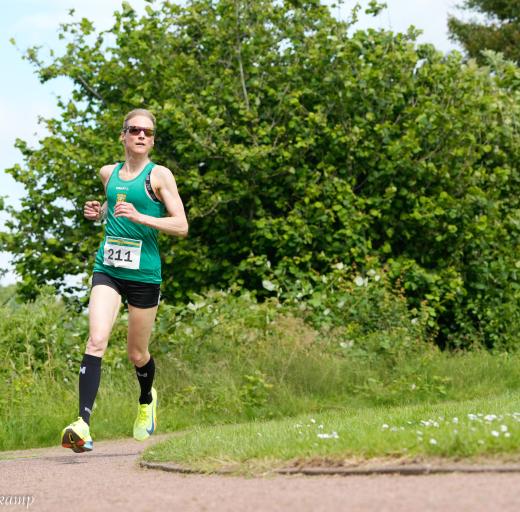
{"x":141,"y":199}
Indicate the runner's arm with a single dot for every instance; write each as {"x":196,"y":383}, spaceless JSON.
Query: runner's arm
{"x":94,"y":210}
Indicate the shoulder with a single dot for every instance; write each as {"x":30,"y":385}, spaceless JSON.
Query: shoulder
{"x":162,"y":176}
{"x":162,"y":172}
{"x":106,"y":171}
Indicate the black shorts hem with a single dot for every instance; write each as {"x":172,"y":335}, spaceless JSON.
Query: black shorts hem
{"x":137,"y":294}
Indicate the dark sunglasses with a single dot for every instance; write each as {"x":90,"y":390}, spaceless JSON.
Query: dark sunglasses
{"x":136,"y":130}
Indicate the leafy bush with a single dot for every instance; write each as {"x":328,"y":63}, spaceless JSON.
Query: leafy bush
{"x":297,"y":145}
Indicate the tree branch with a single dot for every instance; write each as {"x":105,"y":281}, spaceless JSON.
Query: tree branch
{"x":240,"y":64}
{"x":92,"y":91}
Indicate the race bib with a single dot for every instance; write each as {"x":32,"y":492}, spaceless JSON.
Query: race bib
{"x":122,"y":252}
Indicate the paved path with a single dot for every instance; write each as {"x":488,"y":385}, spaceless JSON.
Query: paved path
{"x":110,"y":479}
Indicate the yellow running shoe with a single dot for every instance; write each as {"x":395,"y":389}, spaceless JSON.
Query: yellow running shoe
{"x":77,"y":436}
{"x":146,"y":421}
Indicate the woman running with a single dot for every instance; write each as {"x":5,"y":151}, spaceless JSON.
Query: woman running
{"x":141,"y":199}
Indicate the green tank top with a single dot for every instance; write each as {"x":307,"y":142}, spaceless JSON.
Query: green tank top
{"x":129,"y":250}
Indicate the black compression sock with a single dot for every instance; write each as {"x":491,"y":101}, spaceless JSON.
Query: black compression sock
{"x":89,"y":377}
{"x":145,"y":376}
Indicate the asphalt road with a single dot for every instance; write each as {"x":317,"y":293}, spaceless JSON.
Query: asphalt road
{"x":110,"y":478}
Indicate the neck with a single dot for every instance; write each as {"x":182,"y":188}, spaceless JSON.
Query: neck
{"x":136,"y":163}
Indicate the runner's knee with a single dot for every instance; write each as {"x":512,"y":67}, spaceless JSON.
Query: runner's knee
{"x":97,"y":344}
{"x":138,"y":357}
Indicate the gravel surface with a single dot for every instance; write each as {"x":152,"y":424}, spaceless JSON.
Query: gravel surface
{"x":110,"y":478}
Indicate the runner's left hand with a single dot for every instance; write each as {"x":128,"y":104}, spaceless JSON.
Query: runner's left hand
{"x":127,"y":210}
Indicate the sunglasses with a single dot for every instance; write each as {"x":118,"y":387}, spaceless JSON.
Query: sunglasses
{"x":136,"y":130}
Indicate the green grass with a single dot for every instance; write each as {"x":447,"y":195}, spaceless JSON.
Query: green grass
{"x":34,"y":408}
{"x":480,"y":427}
{"x":229,"y":360}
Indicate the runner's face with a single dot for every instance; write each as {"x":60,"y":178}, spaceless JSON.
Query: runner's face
{"x":139,"y":143}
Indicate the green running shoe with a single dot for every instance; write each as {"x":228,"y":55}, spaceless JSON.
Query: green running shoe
{"x":146,"y":421}
{"x":76,"y":436}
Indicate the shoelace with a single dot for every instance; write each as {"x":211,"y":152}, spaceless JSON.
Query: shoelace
{"x":143,"y":413}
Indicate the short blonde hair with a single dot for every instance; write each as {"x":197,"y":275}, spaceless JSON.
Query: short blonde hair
{"x":138,"y":112}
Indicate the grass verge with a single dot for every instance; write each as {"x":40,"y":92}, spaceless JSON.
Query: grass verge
{"x":230,"y":359}
{"x":471,"y":428}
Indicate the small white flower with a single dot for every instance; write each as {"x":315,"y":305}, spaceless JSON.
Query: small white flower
{"x":433,"y":441}
{"x":334,"y":435}
{"x":377,"y":278}
{"x":371,"y":272}
{"x":359,"y":281}
{"x":507,"y":434}
{"x":384,"y":426}
{"x":339,"y":266}
{"x":490,"y":417}
{"x":494,"y":433}
{"x":268,"y":285}
{"x":414,"y":320}
{"x":394,"y":429}
{"x":413,"y":386}
{"x":313,"y":420}
{"x":455,"y":420}
{"x":503,"y":428}
{"x":320,"y":426}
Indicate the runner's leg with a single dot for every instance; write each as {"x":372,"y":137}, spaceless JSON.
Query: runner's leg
{"x":103,"y":309}
{"x":140,"y":325}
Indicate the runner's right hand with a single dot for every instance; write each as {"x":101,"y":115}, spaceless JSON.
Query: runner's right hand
{"x":92,"y":210}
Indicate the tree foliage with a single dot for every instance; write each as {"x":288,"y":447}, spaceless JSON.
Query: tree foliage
{"x":500,"y":32}
{"x":297,"y":146}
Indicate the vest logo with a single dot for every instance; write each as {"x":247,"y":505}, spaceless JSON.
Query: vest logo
{"x":121,"y":188}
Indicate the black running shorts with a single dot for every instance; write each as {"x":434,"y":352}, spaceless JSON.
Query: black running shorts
{"x":137,"y":294}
